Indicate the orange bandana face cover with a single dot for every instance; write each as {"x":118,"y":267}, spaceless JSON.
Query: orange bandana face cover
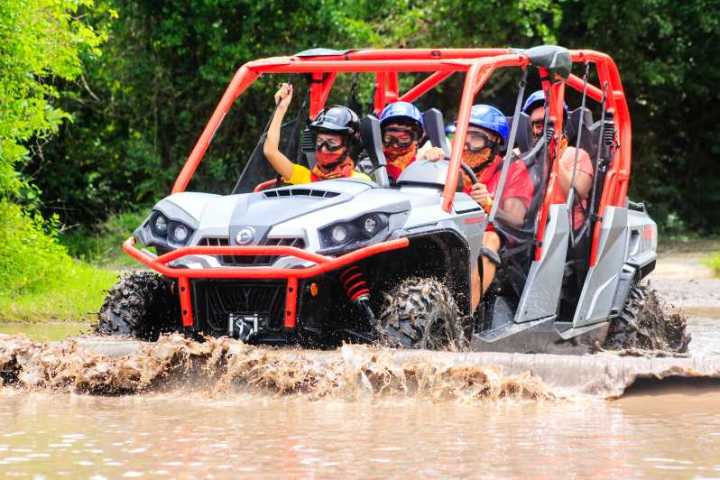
{"x":400,"y":157}
{"x":475,"y":160}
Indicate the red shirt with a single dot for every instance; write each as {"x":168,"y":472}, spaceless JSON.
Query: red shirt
{"x":518,"y":184}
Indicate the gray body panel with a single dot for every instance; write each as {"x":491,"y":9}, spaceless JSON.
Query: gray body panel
{"x":596,"y":299}
{"x":541,"y":294}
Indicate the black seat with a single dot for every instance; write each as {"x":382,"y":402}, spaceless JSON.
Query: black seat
{"x":572,"y":130}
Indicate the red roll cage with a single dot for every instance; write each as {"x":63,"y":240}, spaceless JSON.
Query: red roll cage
{"x":478,"y":64}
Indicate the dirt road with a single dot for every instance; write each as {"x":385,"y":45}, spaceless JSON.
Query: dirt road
{"x":685,"y":282}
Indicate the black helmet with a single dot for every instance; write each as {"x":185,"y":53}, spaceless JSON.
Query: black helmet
{"x":337,"y":119}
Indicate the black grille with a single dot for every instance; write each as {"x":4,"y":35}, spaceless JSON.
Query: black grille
{"x":260,"y":260}
{"x":300,"y":192}
{"x":215,"y":300}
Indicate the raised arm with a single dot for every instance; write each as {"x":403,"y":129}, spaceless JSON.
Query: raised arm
{"x":271,"y":148}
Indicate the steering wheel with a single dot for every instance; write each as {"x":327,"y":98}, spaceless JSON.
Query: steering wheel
{"x":469,"y":172}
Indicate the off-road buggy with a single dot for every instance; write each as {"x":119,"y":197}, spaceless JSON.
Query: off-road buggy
{"x":282,"y":264}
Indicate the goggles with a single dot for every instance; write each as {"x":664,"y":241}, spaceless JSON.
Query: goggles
{"x":328,"y":145}
{"x":537,"y":124}
{"x":476,"y":141}
{"x":398,"y":137}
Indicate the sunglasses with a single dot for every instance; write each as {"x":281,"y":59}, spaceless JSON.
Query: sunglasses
{"x":398,"y":137}
{"x":328,"y":145}
{"x":476,"y":141}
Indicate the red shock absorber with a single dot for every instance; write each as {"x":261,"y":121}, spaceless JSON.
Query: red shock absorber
{"x":353,"y":280}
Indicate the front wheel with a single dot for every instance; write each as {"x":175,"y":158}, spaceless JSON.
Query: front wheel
{"x":421,"y":313}
{"x":141,"y":305}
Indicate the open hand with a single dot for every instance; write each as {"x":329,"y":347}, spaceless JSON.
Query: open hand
{"x":480,"y":194}
{"x":283,"y":96}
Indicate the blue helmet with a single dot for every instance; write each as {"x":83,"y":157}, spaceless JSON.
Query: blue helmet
{"x":534,"y":101}
{"x":402,"y":112}
{"x":490,"y":118}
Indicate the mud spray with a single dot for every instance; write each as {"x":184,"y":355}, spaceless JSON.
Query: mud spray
{"x":649,"y":344}
{"x":222,"y":364}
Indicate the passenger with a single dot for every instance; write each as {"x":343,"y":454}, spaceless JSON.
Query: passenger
{"x":336,"y":130}
{"x":535,"y":107}
{"x":487,"y":132}
{"x":402,"y":129}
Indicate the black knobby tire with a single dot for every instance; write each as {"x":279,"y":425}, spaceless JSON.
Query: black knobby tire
{"x":421,"y":313}
{"x":140,"y":305}
{"x":645,"y":323}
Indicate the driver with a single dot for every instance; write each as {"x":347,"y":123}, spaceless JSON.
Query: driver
{"x":487,"y":132}
{"x":336,"y":130}
{"x":402,"y":129}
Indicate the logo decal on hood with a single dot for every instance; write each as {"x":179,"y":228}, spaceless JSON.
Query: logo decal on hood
{"x":245,"y":236}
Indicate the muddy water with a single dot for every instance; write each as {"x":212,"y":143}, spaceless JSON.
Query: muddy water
{"x":668,"y":429}
{"x":652,"y":434}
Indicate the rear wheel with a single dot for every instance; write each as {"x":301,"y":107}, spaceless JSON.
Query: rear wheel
{"x":644,"y":323}
{"x":421,"y":313}
{"x":140,"y":305}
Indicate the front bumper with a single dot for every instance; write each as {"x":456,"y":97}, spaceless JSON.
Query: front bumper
{"x":320,"y":264}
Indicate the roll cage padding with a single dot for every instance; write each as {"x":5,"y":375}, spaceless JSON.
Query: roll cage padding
{"x":556,"y":60}
{"x":435,"y":129}
{"x":371,"y":139}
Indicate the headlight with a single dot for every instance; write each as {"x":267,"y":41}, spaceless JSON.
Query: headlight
{"x":180,"y":233}
{"x":339,"y":234}
{"x":168,"y":231}
{"x":159,"y":225}
{"x":360,"y":230}
{"x":371,"y":224}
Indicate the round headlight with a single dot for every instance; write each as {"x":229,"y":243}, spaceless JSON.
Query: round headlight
{"x":180,"y":233}
{"x":160,"y":224}
{"x":370,"y":225}
{"x":339,"y":233}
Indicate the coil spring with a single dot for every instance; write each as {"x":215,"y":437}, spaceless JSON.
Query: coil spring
{"x":354,"y":283}
{"x":609,"y":133}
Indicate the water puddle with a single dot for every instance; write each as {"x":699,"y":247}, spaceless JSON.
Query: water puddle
{"x":98,"y":408}
{"x":188,"y":434}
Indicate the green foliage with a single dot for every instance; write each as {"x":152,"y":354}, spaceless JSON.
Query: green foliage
{"x":30,"y":257}
{"x":75,"y":296}
{"x":714,"y":263}
{"x":101,"y":244}
{"x":41,"y":41}
{"x":38,"y":280}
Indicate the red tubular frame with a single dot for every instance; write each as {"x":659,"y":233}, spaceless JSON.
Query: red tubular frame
{"x":386,"y":64}
{"x":322,"y":264}
{"x":618,"y":175}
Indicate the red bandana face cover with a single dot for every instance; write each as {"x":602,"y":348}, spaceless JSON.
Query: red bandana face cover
{"x":332,"y":165}
{"x":399,"y":157}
